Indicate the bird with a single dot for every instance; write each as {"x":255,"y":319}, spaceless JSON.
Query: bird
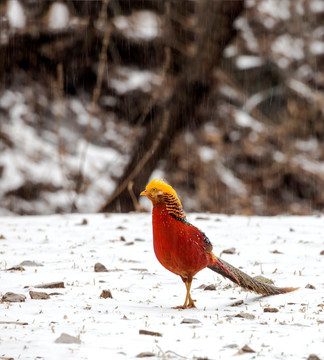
{"x":185,"y":250}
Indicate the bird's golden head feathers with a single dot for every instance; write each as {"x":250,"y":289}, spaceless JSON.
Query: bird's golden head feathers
{"x":156,"y":188}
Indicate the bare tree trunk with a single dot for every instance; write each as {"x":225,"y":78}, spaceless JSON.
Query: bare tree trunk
{"x":195,"y":51}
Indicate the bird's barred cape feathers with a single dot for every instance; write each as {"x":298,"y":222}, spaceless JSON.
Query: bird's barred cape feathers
{"x":170,"y":197}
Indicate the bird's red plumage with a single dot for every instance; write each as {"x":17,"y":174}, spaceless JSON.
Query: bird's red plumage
{"x":179,"y":246}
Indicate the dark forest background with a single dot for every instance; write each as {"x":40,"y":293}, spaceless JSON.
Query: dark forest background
{"x":224,"y":99}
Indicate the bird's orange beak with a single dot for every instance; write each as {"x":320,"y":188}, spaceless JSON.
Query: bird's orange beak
{"x":145,"y":192}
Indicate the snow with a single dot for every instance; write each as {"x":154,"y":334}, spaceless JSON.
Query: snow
{"x":59,"y":16}
{"x":141,"y":25}
{"x":317,"y":47}
{"x":244,"y":120}
{"x":245,"y":62}
{"x":317,"y":6}
{"x":144,"y":292}
{"x":289,"y":47}
{"x":16,"y":15}
{"x":131,"y":79}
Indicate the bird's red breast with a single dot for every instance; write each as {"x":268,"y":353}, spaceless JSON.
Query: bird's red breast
{"x":179,"y":246}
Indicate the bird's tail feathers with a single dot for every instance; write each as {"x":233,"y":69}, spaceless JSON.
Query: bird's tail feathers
{"x":245,"y":281}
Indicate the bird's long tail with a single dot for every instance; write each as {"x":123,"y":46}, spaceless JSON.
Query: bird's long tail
{"x":245,"y":281}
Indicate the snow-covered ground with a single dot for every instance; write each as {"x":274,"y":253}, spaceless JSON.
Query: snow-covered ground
{"x":284,"y":249}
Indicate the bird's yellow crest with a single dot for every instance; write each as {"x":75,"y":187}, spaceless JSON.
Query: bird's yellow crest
{"x":156,"y":185}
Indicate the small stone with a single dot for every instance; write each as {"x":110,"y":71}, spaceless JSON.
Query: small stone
{"x":276,"y":252}
{"x":83,"y":222}
{"x":230,"y":251}
{"x":190,"y":321}
{"x":106,"y":294}
{"x":12,"y":297}
{"x":237,"y":303}
{"x":310,"y":286}
{"x":30,"y":263}
{"x":246,"y":349}
{"x":244,"y":315}
{"x":313,"y":357}
{"x":52,"y":285}
{"x":100,"y":268}
{"x":120,"y":227}
{"x":322,"y":252}
{"x":270,"y":310}
{"x":145,"y":354}
{"x":129,"y":243}
{"x":151,"y":333}
{"x":210,"y":287}
{"x":37,"y":295}
{"x":67,"y":339}
{"x":122,"y":238}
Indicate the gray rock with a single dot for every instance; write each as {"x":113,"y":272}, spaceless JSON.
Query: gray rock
{"x":67,"y":339}
{"x":12,"y":297}
{"x":100,"y":268}
{"x":37,"y":295}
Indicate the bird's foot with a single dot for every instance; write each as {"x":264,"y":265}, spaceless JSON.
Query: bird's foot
{"x":181,"y":307}
{"x":192,"y":304}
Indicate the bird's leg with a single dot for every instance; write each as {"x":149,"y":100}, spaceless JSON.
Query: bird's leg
{"x":189,"y":303}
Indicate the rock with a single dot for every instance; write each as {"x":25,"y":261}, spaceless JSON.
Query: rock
{"x":100,"y":268}
{"x":270,"y":310}
{"x":145,"y":354}
{"x":237,"y":303}
{"x":244,"y":315}
{"x":210,"y":287}
{"x":106,"y":294}
{"x":83,"y":222}
{"x":129,"y":243}
{"x":309,"y":286}
{"x":36,"y":295}
{"x":30,"y":263}
{"x":230,"y":251}
{"x":151,"y":333}
{"x":52,"y":285}
{"x":313,"y":357}
{"x":276,"y":252}
{"x":246,"y":349}
{"x":67,"y":339}
{"x":190,"y":321}
{"x":322,"y":252}
{"x":12,"y":297}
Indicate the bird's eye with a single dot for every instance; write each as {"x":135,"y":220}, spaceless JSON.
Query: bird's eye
{"x":154,"y":189}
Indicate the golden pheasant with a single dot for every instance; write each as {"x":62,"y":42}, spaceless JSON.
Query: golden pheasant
{"x":185,"y":250}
